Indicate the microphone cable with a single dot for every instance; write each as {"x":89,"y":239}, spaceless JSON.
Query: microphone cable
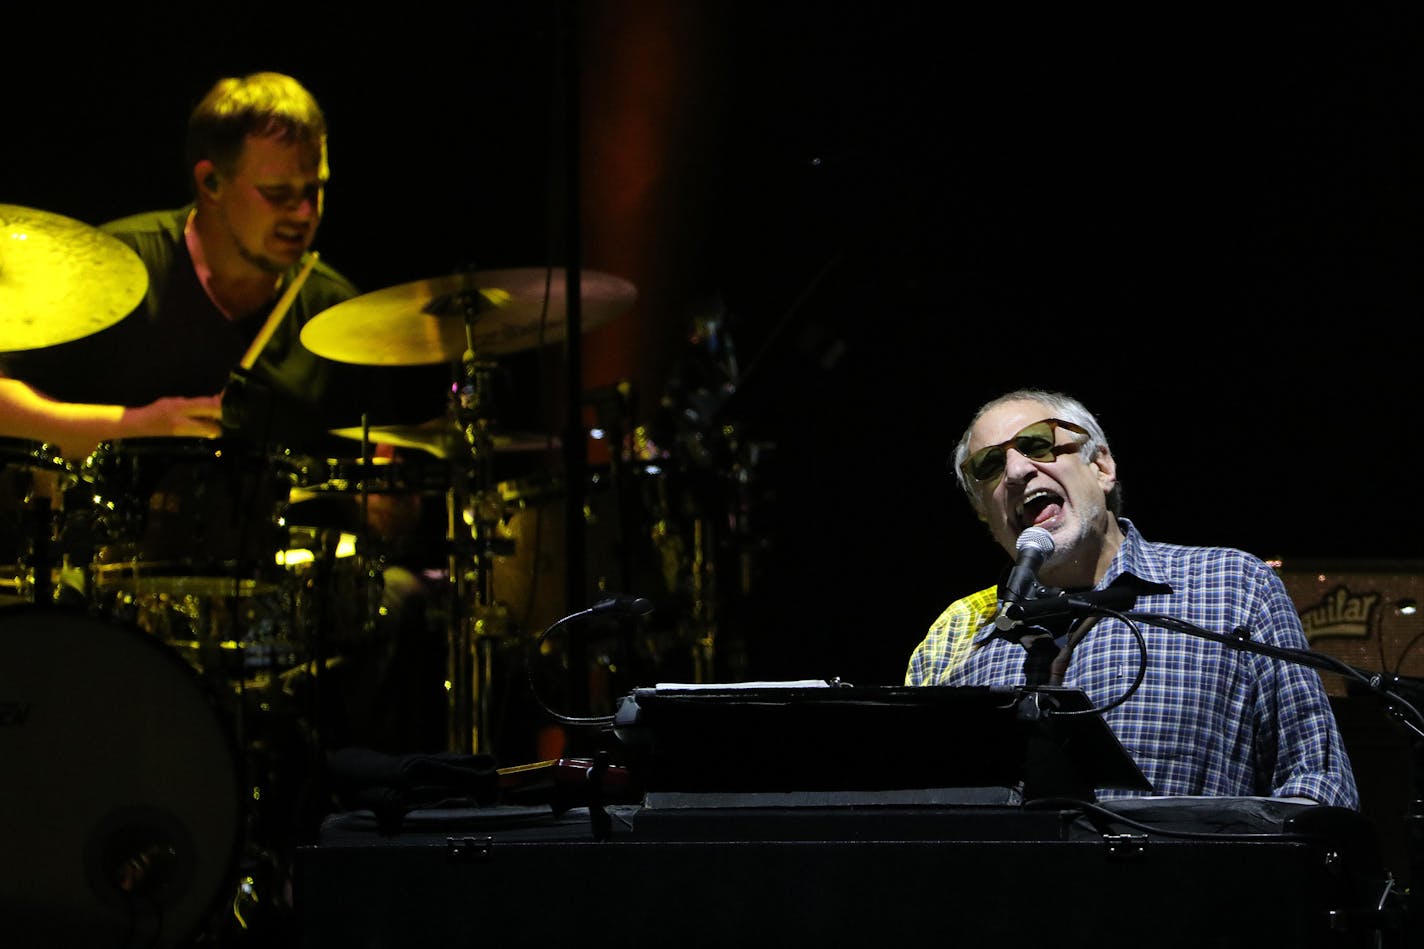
{"x":623,"y":605}
{"x":1137,"y":679}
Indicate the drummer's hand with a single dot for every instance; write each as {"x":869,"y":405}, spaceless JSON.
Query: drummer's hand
{"x":174,"y":416}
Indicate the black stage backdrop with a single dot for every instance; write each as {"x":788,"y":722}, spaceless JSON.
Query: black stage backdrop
{"x":1206,"y":225}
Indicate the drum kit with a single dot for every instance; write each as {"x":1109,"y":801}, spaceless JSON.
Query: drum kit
{"x":205,"y":578}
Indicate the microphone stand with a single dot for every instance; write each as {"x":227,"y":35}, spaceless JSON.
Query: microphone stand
{"x":624,"y":606}
{"x":1118,"y":598}
{"x":1040,"y":649}
{"x":1018,"y":623}
{"x":1240,"y":639}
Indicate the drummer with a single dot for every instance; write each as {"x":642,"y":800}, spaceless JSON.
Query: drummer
{"x":256,"y":157}
{"x":182,"y":364}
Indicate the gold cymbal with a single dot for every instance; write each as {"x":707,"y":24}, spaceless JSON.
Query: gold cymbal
{"x":423,"y":323}
{"x":443,"y":439}
{"x":61,"y":280}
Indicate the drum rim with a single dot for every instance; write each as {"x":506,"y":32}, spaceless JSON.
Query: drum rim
{"x":31,"y":453}
{"x":222,"y":450}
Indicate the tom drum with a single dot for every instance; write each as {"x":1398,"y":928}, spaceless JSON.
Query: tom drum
{"x":187,"y":515}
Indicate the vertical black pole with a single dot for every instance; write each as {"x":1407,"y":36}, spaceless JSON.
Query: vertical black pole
{"x":575,"y":448}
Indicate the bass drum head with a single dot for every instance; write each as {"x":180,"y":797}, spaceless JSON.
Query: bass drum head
{"x":120,"y":809}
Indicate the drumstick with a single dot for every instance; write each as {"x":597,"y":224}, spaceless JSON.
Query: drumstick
{"x":279,"y":311}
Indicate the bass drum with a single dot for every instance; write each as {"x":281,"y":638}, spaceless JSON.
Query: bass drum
{"x":121,"y":805}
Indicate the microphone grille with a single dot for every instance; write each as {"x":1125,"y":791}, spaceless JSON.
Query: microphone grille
{"x":1035,"y":538}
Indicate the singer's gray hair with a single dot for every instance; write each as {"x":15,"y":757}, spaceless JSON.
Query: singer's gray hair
{"x":1060,"y":406}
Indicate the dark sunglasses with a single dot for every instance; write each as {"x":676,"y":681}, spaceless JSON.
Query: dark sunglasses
{"x":1037,"y":441}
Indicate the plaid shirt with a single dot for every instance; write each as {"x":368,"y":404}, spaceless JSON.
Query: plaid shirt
{"x":1208,"y":719}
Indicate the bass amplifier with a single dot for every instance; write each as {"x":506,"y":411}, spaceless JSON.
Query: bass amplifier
{"x":1364,"y":613}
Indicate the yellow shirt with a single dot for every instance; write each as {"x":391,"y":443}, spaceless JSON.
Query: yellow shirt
{"x":951,"y":637}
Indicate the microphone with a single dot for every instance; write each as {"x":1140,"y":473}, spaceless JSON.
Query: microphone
{"x":624,"y":603}
{"x":620,"y":605}
{"x":1035,"y":545}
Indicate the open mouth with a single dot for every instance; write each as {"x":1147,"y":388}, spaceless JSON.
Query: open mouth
{"x":294,"y":236}
{"x":1038,"y":507}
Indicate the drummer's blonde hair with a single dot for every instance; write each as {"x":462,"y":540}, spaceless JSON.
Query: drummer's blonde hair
{"x":261,"y":103}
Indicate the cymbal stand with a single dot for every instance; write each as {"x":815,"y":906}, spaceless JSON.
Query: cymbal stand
{"x":472,"y":503}
{"x":369,"y":559}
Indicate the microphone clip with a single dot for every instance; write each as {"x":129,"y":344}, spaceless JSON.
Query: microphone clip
{"x":1016,"y":620}
{"x":1010,"y":615}
{"x":1118,"y":596}
{"x":1009,"y":622}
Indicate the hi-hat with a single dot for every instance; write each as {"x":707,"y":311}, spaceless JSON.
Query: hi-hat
{"x":444,"y":439}
{"x":61,"y":280}
{"x":424,"y":322}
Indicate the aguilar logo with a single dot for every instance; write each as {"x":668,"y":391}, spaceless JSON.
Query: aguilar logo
{"x":1340,"y":614}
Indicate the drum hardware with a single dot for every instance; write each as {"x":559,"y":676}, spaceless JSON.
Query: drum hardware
{"x":61,"y":280}
{"x":305,"y":541}
{"x":351,"y":526}
{"x":476,"y":622}
{"x":705,"y":491}
{"x":40,"y":564}
{"x":35,"y":482}
{"x":229,"y":640}
{"x":614,"y":409}
{"x":471,"y":638}
{"x":333,"y":553}
{"x":332,"y":494}
{"x":465,"y":319}
{"x":323,"y":625}
{"x":443,"y":439}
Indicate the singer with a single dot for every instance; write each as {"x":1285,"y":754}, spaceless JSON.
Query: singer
{"x":1206,"y":719}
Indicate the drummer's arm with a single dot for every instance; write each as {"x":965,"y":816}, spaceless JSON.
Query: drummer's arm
{"x":76,"y":428}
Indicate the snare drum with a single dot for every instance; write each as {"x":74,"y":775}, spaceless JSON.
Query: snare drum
{"x":344,"y":527}
{"x":122,"y":804}
{"x":188,"y":516}
{"x":384,"y":502}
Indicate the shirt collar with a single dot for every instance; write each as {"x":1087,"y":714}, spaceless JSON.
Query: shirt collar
{"x":1136,"y":557}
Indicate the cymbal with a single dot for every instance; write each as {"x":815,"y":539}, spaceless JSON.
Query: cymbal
{"x":423,"y":323}
{"x":443,"y":439}
{"x":61,"y":280}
